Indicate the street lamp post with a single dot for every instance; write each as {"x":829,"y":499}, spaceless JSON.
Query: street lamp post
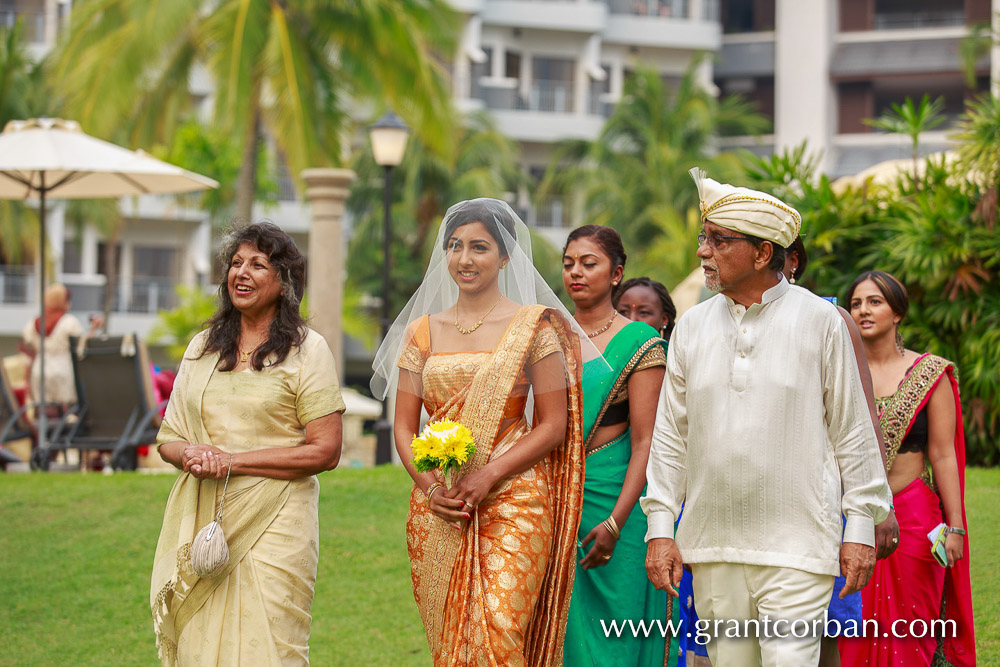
{"x":388,"y":138}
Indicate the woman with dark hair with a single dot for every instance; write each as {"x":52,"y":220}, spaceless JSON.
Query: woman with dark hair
{"x":256,"y":397}
{"x":646,"y":300}
{"x":618,"y":412}
{"x":921,"y":418}
{"x":846,"y":610}
{"x":485,"y":343}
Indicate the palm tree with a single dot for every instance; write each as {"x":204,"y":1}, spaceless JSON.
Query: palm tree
{"x":288,"y":66}
{"x":912,"y":120}
{"x":634,"y":176}
{"x":22,"y":95}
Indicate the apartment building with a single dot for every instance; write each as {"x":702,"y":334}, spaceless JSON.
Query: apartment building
{"x":550,"y":70}
{"x":819,"y":68}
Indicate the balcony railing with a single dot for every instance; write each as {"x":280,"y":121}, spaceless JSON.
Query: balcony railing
{"x":33,"y":22}
{"x":933,"y":18}
{"x":549,"y":213}
{"x":677,"y":9}
{"x":554,"y":96}
{"x":150,"y":295}
{"x":17,"y":284}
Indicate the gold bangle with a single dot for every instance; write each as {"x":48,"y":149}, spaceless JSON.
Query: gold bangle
{"x":612,"y":527}
{"x":431,"y":489}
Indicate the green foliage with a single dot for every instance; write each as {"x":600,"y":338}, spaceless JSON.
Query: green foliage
{"x":125,"y":68}
{"x":927,"y":233}
{"x":910,"y":119}
{"x":634,"y":176}
{"x":978,"y":132}
{"x":177,"y":327}
{"x":213,"y":152}
{"x":23,"y":95}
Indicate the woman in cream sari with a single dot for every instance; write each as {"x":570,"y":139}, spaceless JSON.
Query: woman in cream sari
{"x":492,"y":556}
{"x":256,"y":396}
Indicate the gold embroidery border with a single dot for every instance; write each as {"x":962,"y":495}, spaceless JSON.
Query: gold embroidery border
{"x":900,"y":408}
{"x":622,"y":379}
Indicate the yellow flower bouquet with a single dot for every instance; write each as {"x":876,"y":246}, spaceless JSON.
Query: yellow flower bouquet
{"x":444,"y":445}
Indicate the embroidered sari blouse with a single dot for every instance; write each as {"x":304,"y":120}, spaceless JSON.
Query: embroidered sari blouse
{"x":443,"y":374}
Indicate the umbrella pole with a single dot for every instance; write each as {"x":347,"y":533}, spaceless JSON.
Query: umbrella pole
{"x":42,"y":416}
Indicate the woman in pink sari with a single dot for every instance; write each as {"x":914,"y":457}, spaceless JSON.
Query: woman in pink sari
{"x":921,"y":418}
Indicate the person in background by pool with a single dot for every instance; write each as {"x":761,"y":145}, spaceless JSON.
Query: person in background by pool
{"x":887,"y":532}
{"x":646,"y":300}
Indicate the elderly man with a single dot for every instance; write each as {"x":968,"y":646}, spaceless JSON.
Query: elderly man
{"x":762,"y":422}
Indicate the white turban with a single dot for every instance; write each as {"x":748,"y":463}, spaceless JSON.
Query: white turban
{"x":747,"y":211}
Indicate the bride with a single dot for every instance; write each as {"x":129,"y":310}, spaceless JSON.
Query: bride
{"x":485,"y":342}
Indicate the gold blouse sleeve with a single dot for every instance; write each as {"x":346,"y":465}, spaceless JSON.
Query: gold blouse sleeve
{"x":318,"y":394}
{"x":656,"y":356}
{"x":417,"y":348}
{"x":545,"y":342}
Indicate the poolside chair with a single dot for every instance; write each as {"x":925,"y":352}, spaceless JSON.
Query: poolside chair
{"x":14,"y":423}
{"x":115,"y":409}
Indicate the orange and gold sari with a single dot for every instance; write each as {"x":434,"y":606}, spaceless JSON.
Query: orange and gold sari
{"x":497,"y":592}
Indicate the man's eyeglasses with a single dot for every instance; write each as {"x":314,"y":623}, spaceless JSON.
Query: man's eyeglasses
{"x":716,"y":240}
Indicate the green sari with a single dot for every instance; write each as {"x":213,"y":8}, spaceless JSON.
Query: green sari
{"x":619,"y":591}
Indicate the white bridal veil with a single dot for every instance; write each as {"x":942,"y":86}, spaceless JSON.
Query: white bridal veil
{"x":519,"y":281}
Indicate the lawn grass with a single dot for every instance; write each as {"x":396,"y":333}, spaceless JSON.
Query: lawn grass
{"x":76,"y":553}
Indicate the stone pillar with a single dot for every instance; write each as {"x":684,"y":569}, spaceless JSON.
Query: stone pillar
{"x":804,"y":97}
{"x":326,"y":191}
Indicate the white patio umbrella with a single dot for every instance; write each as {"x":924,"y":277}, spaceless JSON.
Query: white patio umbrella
{"x":51,"y":157}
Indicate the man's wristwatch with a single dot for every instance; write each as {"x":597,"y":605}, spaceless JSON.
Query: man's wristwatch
{"x":957,"y":531}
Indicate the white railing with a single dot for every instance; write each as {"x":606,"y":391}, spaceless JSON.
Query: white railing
{"x":554,"y":96}
{"x":933,"y":18}
{"x":17,"y":284}
{"x":676,"y":9}
{"x":549,"y":213}
{"x":34,"y":23}
{"x":150,"y":295}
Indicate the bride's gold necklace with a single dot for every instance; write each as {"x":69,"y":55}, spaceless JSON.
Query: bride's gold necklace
{"x":481,"y":319}
{"x":605,"y":327}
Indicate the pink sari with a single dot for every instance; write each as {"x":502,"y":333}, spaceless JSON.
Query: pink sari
{"x":910,"y":585}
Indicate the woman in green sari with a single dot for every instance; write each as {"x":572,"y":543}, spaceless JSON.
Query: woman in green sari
{"x":618,"y":413}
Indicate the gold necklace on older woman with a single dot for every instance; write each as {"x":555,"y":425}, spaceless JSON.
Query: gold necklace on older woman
{"x":481,"y":319}
{"x":245,"y":354}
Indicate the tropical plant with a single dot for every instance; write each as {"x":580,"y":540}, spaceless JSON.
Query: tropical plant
{"x":175,"y":328}
{"x":912,"y":120}
{"x":23,"y":95}
{"x":289,"y":67}
{"x":481,"y":163}
{"x":634,"y":176}
{"x":206,"y":149}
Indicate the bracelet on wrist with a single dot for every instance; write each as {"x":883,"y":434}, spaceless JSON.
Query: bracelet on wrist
{"x":431,"y":489}
{"x":957,"y":531}
{"x":612,"y":526}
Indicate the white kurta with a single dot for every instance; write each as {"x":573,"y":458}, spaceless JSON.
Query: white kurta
{"x":762,"y":419}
